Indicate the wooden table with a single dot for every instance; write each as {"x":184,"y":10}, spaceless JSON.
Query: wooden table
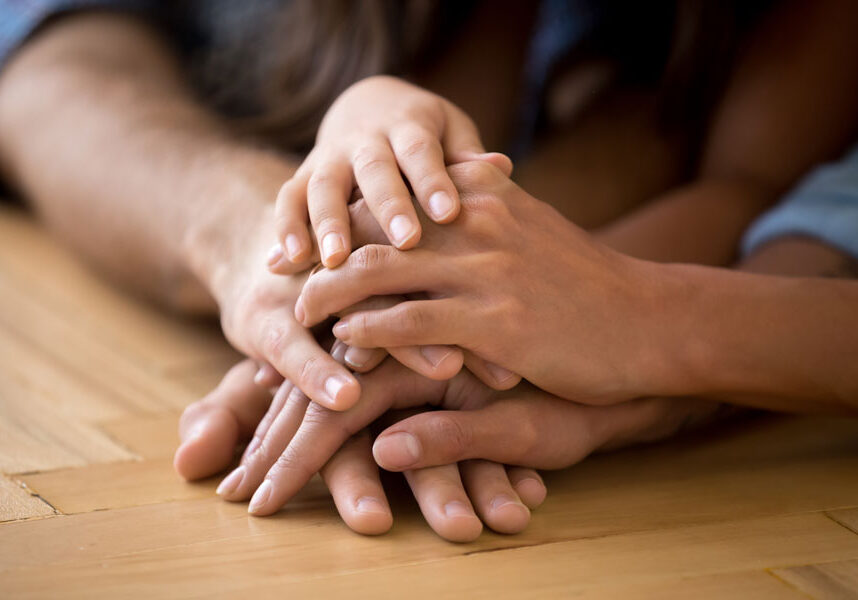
{"x":91,"y":385}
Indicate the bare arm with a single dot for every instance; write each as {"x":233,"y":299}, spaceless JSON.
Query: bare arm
{"x":789,"y":105}
{"x":99,"y":132}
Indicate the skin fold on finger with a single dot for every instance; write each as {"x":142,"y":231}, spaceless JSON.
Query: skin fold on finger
{"x":434,"y":362}
{"x":445,"y":505}
{"x":353,"y":479}
{"x":414,"y":323}
{"x":274,"y":436}
{"x":529,"y":485}
{"x":323,"y":431}
{"x":211,"y":428}
{"x":295,"y":354}
{"x":526,"y":428}
{"x":328,"y":191}
{"x":494,"y":498}
{"x":493,"y":375}
{"x":421,"y":158}
{"x":378,"y":176}
{"x":372,"y":270}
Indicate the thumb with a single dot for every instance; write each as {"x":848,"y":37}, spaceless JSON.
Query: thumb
{"x":211,"y":428}
{"x":534,"y":430}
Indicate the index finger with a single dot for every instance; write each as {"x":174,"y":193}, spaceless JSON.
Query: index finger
{"x":322,"y":431}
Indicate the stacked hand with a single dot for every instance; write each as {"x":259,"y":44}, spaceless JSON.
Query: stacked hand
{"x":509,"y":289}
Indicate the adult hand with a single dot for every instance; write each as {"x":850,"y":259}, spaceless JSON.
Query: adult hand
{"x":212,"y":428}
{"x":516,"y":284}
{"x":527,"y":426}
{"x":258,"y":319}
{"x":308,"y":434}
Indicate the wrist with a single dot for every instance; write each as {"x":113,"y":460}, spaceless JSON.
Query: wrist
{"x":674,"y":354}
{"x":235,"y":221}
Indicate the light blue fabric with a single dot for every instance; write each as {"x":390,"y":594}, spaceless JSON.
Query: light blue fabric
{"x":823,"y":206}
{"x":19,"y":18}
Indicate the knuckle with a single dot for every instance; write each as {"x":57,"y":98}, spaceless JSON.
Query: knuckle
{"x":318,"y":419}
{"x":370,"y":257}
{"x":413,"y":320}
{"x":321,"y":180}
{"x":415,"y":146}
{"x":290,"y":461}
{"x":450,"y":434}
{"x":389,"y":203}
{"x":368,"y":160}
{"x":477,"y":173}
{"x":309,"y":370}
{"x":361,"y":331}
{"x":528,"y":438}
{"x":276,"y":341}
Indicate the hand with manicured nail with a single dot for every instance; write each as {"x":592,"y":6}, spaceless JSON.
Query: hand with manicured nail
{"x":257,"y":315}
{"x":514,"y":283}
{"x":525,"y":425}
{"x":450,"y":496}
{"x":382,"y":135}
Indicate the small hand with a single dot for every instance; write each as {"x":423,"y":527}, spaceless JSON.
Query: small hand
{"x":514,"y":283}
{"x":380,"y":135}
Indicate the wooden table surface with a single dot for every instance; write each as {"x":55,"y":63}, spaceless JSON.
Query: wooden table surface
{"x":91,"y":386}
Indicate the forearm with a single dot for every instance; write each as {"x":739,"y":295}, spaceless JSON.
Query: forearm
{"x":99,"y":133}
{"x":700,"y":223}
{"x":784,"y":343}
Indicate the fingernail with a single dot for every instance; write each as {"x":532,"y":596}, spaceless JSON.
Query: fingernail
{"x":341,"y":331}
{"x":440,"y":204}
{"x":275,"y":254}
{"x":338,"y":351}
{"x":435,"y":354}
{"x":259,"y":376}
{"x":401,"y":229}
{"x":293,"y":246}
{"x":502,"y":500}
{"x":358,"y":357}
{"x":333,"y":385}
{"x":457,"y":508}
{"x":499,"y":373}
{"x":399,"y":450}
{"x":231,"y":482}
{"x":332,"y":244}
{"x":299,"y":310}
{"x":260,"y":497}
{"x":367,"y":504}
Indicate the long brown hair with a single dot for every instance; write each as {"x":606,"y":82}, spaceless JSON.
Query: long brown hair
{"x":317,"y":48}
{"x":314,"y":50}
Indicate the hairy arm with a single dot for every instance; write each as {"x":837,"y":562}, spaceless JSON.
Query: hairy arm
{"x":789,"y":104}
{"x":101,"y":135}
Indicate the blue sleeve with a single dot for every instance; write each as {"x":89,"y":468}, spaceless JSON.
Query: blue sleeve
{"x":20,"y":18}
{"x":823,"y":206}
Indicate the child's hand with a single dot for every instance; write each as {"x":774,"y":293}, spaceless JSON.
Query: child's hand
{"x":378,"y":130}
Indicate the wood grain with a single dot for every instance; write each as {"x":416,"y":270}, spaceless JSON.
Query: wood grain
{"x":57,"y":280}
{"x":17,"y":503}
{"x":833,"y":581}
{"x":316,"y":563}
{"x":91,"y":387}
